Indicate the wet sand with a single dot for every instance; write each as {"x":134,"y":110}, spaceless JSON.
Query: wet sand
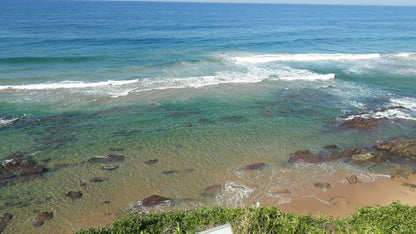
{"x":342,"y":199}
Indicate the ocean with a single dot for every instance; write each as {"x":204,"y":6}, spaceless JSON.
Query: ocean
{"x":203,"y":88}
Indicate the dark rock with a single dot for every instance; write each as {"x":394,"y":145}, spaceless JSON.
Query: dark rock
{"x":339,"y":200}
{"x":168,"y":172}
{"x":107,"y":202}
{"x":205,"y":121}
{"x":96,"y":180}
{"x":233,"y":119}
{"x":38,"y":223}
{"x":74,"y":194}
{"x":368,"y":156}
{"x":323,"y":186}
{"x":109,"y":168}
{"x":174,"y":171}
{"x":400,"y":147}
{"x":188,"y":170}
{"x":361,"y":123}
{"x":151,"y":161}
{"x":212,"y":190}
{"x":347,"y":153}
{"x":106,"y":159}
{"x":412,"y":186}
{"x":116,"y":149}
{"x":4,"y":220}
{"x":304,"y":156}
{"x":353,"y":179}
{"x":84,"y":184}
{"x":44,"y":216}
{"x":17,"y":168}
{"x":254,"y":166}
{"x":330,"y":146}
{"x":154,"y":200}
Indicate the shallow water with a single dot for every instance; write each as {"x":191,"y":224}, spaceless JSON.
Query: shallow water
{"x":200,"y":87}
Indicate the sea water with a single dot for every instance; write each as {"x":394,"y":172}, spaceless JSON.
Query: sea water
{"x":204,"y":88}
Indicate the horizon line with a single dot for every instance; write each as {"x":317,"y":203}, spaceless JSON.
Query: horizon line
{"x":241,"y":2}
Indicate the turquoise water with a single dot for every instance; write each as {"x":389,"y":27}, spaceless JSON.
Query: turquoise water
{"x":208,"y":87}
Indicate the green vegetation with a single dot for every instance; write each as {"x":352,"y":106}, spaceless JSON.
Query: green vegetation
{"x":395,"y":218}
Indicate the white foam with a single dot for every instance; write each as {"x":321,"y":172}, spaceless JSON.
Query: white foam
{"x":265,"y":58}
{"x":234,"y":194}
{"x":4,"y":122}
{"x":408,"y":112}
{"x":67,"y":85}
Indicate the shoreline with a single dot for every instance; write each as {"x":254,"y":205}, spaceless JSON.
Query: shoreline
{"x":340,"y":201}
{"x":343,"y":199}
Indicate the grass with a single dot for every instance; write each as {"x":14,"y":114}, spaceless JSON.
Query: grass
{"x":394,"y":218}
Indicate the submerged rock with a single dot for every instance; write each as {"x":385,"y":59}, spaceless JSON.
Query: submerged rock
{"x":109,"y":168}
{"x":233,"y":118}
{"x":330,"y":146}
{"x":253,"y":166}
{"x":401,"y":172}
{"x":116,"y":149}
{"x":347,"y":153}
{"x":44,"y":216}
{"x":400,"y":147}
{"x":368,"y":156}
{"x":323,"y":186}
{"x":151,"y":161}
{"x":38,"y":223}
{"x":182,"y":113}
{"x":105,"y":159}
{"x":97,"y":180}
{"x":361,"y":123}
{"x":353,"y":179}
{"x":410,"y":185}
{"x":212,"y":190}
{"x":74,"y":194}
{"x":172,"y":171}
{"x":339,"y":200}
{"x":4,"y":220}
{"x":304,"y":156}
{"x":152,"y":201}
{"x":19,"y":169}
{"x":202,"y":120}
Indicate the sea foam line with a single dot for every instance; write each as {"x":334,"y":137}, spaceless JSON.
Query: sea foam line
{"x":4,"y":122}
{"x":68,"y":85}
{"x":265,"y":58}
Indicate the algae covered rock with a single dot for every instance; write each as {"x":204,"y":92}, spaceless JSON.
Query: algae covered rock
{"x":367,"y":156}
{"x":400,"y":147}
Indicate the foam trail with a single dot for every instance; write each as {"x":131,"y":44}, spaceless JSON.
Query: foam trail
{"x":265,"y":58}
{"x":67,"y":85}
{"x":5,"y":122}
{"x":399,"y":108}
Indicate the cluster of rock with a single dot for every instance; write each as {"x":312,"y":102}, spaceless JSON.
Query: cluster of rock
{"x":19,"y":169}
{"x":377,"y":154}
